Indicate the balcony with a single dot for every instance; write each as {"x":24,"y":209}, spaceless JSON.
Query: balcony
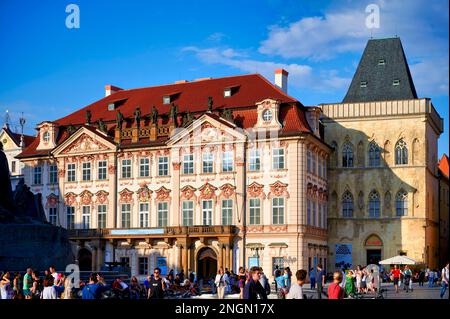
{"x":161,"y":232}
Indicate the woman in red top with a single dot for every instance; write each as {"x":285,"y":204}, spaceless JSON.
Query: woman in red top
{"x":396,"y":276}
{"x":335,"y":291}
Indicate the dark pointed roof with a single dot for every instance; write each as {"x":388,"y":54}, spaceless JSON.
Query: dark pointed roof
{"x":380,"y":77}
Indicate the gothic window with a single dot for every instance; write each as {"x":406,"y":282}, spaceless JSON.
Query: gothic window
{"x":374,"y":155}
{"x":401,"y":153}
{"x":374,"y":204}
{"x":401,"y":203}
{"x":347,"y":155}
{"x":347,"y":204}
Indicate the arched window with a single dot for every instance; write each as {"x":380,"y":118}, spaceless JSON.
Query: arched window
{"x":401,"y":153}
{"x":374,"y":204}
{"x":401,"y":203}
{"x":347,"y":205}
{"x":347,"y":155}
{"x":374,"y":155}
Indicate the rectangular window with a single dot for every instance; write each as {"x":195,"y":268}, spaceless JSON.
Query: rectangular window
{"x":313,"y":163}
{"x":396,"y":82}
{"x":86,"y":217}
{"x":53,"y":174}
{"x":102,"y":170}
{"x":52,"y":215}
{"x":143,"y":214}
{"x":314,"y":220}
{"x":227,"y":161}
{"x":13,"y":166}
{"x":163,"y":208}
{"x":126,"y":168}
{"x":319,"y":170}
{"x":126,"y":215}
{"x":308,"y":160}
{"x":163,"y":166}
{"x":101,"y":216}
{"x":325,"y":216}
{"x":37,"y":175}
{"x":363,"y":84}
{"x":125,"y":261}
{"x":227,"y":211}
{"x":278,"y":158}
{"x":278,"y":210}
{"x":144,"y":167}
{"x":166,"y":99}
{"x":188,"y":164}
{"x":308,"y":212}
{"x":255,"y":211}
{"x":208,"y":162}
{"x":277,"y":261}
{"x":188,"y":213}
{"x":86,"y":169}
{"x":319,"y":215}
{"x":207,"y":212}
{"x":255,"y":160}
{"x":71,"y":172}
{"x":324,"y":167}
{"x":143,"y":265}
{"x":70,"y":214}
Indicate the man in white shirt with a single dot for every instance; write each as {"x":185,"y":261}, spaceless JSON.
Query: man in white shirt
{"x":445,"y":277}
{"x":296,"y":291}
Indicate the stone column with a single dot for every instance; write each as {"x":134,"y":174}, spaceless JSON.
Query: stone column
{"x":175,"y":203}
{"x":227,"y":256}
{"x":220,"y":257}
{"x":179,"y":261}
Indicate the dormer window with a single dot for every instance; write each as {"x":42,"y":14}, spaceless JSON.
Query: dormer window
{"x":381,"y":62}
{"x":267,"y":116}
{"x":46,"y":137}
{"x":166,"y":99}
{"x":396,"y":82}
{"x":227,"y":92}
{"x":111,"y":107}
{"x":363,"y":84}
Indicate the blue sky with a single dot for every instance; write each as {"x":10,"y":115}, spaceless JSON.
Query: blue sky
{"x":48,"y":70}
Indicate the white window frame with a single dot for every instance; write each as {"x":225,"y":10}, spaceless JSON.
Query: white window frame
{"x":278,"y":159}
{"x":53,"y":215}
{"x":125,"y":215}
{"x":37,"y":175}
{"x":53,"y":174}
{"x":71,"y":172}
{"x":207,"y":212}
{"x":163,"y":213}
{"x":126,"y":168}
{"x":207,"y":163}
{"x":85,"y":217}
{"x":144,"y":167}
{"x":227,"y":211}
{"x":163,"y":166}
{"x":227,"y":161}
{"x":144,"y":214}
{"x":188,"y":164}
{"x":254,"y":211}
{"x":86,"y":171}
{"x":187,"y":213}
{"x":254,"y":164}
{"x":102,"y":170}
{"x":70,"y":217}
{"x":279,"y":217}
{"x":101,"y":216}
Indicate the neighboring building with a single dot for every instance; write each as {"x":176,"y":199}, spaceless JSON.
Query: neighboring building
{"x":383,"y":179}
{"x":193,"y":175}
{"x":444,"y":210}
{"x":13,"y":145}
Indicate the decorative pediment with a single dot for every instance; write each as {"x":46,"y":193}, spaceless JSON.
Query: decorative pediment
{"x":162,"y":194}
{"x":70,"y":199}
{"x":86,"y":197}
{"x":227,"y":190}
{"x":256,"y":190}
{"x":83,"y":144}
{"x":125,"y":196}
{"x":207,"y":191}
{"x":52,"y":201}
{"x":144,"y":194}
{"x":188,"y":192}
{"x":101,"y":197}
{"x":279,"y":189}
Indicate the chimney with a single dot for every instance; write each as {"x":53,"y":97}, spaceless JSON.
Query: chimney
{"x":110,"y":89}
{"x":281,"y":77}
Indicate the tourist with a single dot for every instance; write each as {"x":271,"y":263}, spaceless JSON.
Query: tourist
{"x":421,"y":277}
{"x":18,"y":286}
{"x":395,"y":273}
{"x":321,"y":280}
{"x":445,"y":277}
{"x":135,"y":288}
{"x":242,"y":278}
{"x":94,"y":288}
{"x":281,"y":285}
{"x":28,"y":284}
{"x":407,"y":274}
{"x":264,"y":282}
{"x":335,"y":291}
{"x":5,"y":286}
{"x":119,"y":287}
{"x":253,"y":289}
{"x":312,"y":278}
{"x":364,"y":281}
{"x":68,"y":287}
{"x":288,"y":272}
{"x":276,"y":273}
{"x":221,"y":281}
{"x":55,"y":275}
{"x":350,"y":284}
{"x":49,"y":291}
{"x":296,"y":290}
{"x":156,"y":285}
{"x":36,"y":288}
{"x":430,"y":275}
{"x":359,"y":275}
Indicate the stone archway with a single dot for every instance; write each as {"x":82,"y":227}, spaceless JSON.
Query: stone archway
{"x":206,"y":263}
{"x":85,"y":259}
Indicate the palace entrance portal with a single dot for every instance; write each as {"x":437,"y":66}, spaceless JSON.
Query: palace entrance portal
{"x":206,"y":263}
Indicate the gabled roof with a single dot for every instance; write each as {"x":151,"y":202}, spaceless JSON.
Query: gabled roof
{"x":379,"y":77}
{"x":27,"y":139}
{"x":444,"y":165}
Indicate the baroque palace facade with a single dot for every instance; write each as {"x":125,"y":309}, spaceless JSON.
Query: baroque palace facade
{"x":193,"y":175}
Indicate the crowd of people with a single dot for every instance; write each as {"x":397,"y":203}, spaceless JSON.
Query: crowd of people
{"x":248,"y":284}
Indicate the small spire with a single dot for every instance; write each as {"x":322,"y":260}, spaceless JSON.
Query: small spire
{"x":22,"y":124}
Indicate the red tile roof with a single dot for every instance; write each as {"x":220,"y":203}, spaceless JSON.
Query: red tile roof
{"x":193,"y":97}
{"x":444,"y":165}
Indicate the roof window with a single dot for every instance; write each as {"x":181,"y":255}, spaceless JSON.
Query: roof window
{"x":396,"y":82}
{"x":363,"y":84}
{"x":381,"y":62}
